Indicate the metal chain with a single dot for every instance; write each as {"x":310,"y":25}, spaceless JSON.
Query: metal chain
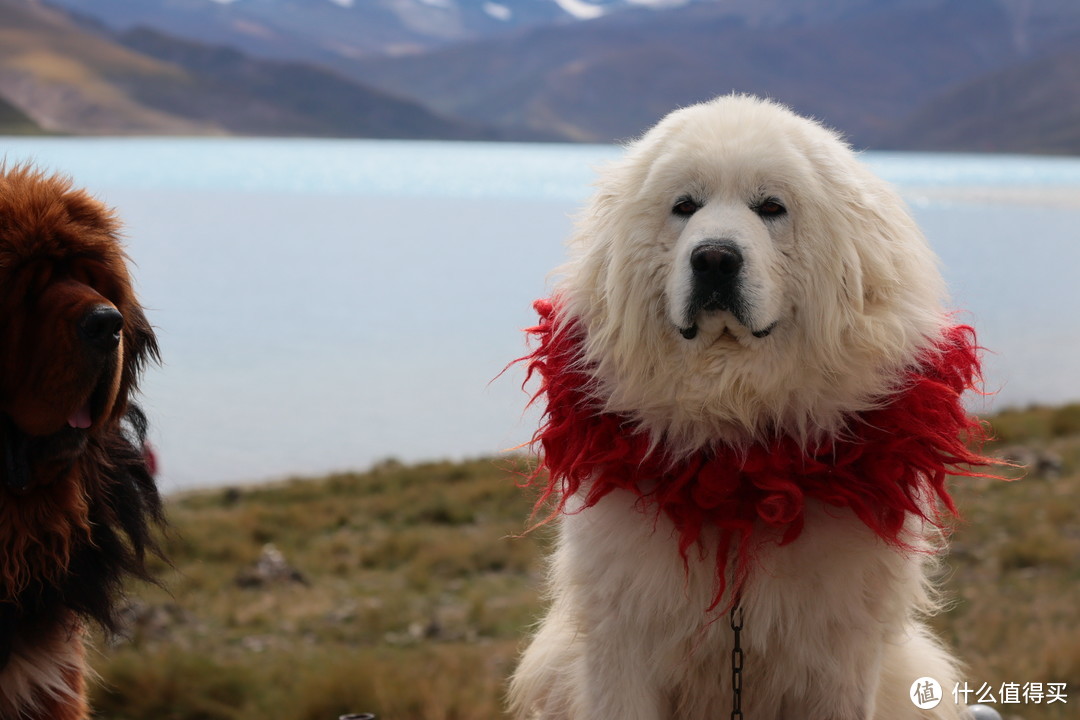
{"x":736,"y":662}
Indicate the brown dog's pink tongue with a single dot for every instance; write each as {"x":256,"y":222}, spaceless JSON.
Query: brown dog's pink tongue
{"x":81,"y":417}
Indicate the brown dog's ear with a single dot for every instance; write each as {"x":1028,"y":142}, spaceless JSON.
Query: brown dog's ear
{"x":140,"y":344}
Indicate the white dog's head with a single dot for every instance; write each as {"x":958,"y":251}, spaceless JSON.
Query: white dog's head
{"x":740,"y":274}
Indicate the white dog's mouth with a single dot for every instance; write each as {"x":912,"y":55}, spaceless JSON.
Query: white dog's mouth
{"x":691,"y":331}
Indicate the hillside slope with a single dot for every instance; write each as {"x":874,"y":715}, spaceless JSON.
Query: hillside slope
{"x":248,"y":96}
{"x":14,"y":121}
{"x":73,"y":78}
{"x":1033,"y":107}
{"x":68,"y":80}
{"x":612,"y":78}
{"x":994,"y":75}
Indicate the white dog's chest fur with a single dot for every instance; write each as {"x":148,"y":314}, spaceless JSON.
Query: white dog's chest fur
{"x":828,"y":633}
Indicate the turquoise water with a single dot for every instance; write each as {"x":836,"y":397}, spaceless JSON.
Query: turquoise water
{"x":437,"y":169}
{"x":375,"y":168}
{"x":326,"y":304}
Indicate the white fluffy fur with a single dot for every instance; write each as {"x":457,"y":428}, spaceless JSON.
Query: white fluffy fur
{"x":42,"y":671}
{"x":833,"y":629}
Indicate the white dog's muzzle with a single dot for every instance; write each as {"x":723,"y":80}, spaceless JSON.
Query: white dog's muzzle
{"x":716,"y":281}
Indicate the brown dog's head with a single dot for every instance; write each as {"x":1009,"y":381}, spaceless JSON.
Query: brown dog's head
{"x":73,"y":337}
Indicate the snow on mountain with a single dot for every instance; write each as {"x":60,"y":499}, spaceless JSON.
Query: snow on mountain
{"x":367,"y":27}
{"x":499,"y":12}
{"x":580,"y":9}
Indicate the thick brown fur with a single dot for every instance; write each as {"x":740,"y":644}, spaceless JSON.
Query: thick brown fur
{"x":77,"y":493}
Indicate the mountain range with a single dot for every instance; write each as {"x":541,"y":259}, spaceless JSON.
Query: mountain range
{"x":984,"y":75}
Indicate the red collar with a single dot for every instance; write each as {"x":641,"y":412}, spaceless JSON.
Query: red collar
{"x":894,"y":460}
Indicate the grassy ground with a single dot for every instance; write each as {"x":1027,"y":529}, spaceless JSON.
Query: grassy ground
{"x":415,"y":590}
{"x":1013,"y":573}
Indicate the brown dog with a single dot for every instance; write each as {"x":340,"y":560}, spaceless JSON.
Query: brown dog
{"x":77,"y":495}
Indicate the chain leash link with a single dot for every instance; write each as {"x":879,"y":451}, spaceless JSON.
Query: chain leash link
{"x":736,"y":662}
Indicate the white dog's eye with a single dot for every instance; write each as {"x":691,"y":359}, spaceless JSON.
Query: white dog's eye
{"x":685,"y":207}
{"x":770,"y":208}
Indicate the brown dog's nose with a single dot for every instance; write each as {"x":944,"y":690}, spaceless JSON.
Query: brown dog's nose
{"x":100,"y":327}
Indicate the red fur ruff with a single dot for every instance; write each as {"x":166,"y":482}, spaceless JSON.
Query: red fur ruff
{"x":892,"y":460}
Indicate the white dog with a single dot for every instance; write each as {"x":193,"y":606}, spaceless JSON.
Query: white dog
{"x":752,"y":389}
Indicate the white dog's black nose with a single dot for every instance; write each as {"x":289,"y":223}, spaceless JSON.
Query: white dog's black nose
{"x":716,"y":266}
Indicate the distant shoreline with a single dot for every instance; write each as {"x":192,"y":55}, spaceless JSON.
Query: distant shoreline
{"x":37,"y":132}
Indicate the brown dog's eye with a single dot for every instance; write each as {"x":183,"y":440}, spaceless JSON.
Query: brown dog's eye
{"x":685,"y":207}
{"x":770,"y":208}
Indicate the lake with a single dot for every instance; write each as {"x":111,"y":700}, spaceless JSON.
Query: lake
{"x":323,"y":305}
